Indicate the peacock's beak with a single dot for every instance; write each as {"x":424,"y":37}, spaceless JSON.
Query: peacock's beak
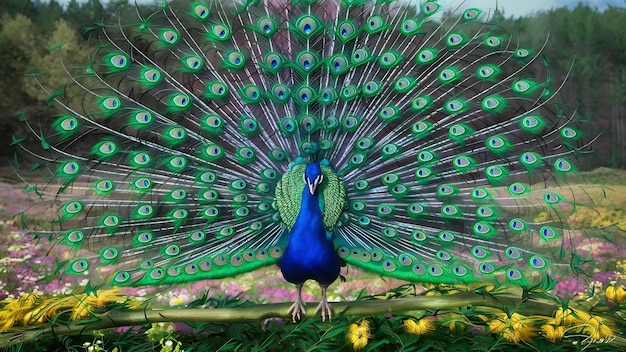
{"x":313,"y":185}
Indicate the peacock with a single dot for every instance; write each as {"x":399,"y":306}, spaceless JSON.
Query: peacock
{"x":212,"y":138}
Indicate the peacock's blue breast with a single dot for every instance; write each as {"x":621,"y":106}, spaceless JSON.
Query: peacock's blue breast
{"x":309,"y":253}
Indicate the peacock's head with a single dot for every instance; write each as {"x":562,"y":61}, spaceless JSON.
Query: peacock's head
{"x":313,"y":176}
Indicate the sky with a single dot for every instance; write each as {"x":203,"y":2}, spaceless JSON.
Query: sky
{"x":518,"y":8}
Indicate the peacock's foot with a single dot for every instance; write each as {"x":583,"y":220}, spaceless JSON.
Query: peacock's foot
{"x":325,"y":309}
{"x":297,"y":310}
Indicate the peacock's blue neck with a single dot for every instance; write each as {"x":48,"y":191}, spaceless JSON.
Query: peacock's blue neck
{"x":310,"y":208}
{"x":309,"y":253}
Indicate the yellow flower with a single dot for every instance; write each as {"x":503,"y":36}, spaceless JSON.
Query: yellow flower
{"x":358,"y":334}
{"x":420,"y":327}
{"x":597,"y":328}
{"x":34,"y":316}
{"x":7,"y":320}
{"x":511,"y":335}
{"x":515,"y":328}
{"x":88,"y":303}
{"x":498,"y":324}
{"x":21,"y":310}
{"x":616,"y":294}
{"x":176,"y":301}
{"x":570,"y":316}
{"x":553,"y":332}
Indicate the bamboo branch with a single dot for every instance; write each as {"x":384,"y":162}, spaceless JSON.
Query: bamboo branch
{"x":260,"y":312}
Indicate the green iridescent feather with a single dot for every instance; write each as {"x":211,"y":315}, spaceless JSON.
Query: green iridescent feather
{"x":183,"y":158}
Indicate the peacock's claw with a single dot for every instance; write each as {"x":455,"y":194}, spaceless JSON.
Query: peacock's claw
{"x":297,"y":310}
{"x":325,"y":309}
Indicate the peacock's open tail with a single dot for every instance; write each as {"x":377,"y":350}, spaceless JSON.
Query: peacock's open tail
{"x":185,"y":147}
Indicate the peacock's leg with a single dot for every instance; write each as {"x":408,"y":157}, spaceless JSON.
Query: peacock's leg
{"x":297,"y":308}
{"x":324,"y":307}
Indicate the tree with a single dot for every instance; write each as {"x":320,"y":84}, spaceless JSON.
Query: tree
{"x":614,"y":32}
{"x":26,"y":54}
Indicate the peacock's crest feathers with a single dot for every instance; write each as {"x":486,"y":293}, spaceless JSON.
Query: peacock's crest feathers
{"x":171,"y":159}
